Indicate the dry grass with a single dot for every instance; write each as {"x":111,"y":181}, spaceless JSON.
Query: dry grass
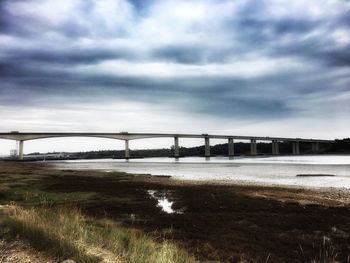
{"x":17,"y":251}
{"x":324,"y":252}
{"x":66,"y":233}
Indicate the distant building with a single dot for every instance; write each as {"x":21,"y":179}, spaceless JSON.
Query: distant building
{"x":13,"y":152}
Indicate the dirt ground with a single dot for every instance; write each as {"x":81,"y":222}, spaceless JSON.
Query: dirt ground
{"x":17,"y":251}
{"x":220,"y":222}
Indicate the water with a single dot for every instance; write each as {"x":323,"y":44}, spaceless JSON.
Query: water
{"x":279,"y":170}
{"x":164,"y":202}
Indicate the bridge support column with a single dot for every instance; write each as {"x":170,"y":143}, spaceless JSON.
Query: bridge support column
{"x":231,"y":147}
{"x":20,"y":150}
{"x":315,"y":147}
{"x":127,"y":150}
{"x":176,"y":147}
{"x":296,"y":148}
{"x":207,"y":147}
{"x":275,"y":148}
{"x":253,"y":148}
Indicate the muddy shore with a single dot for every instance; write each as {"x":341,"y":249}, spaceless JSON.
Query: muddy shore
{"x":219,"y":222}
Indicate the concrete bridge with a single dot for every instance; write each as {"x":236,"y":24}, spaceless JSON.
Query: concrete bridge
{"x":26,"y":136}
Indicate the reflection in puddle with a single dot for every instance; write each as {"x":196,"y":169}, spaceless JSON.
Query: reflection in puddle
{"x":163,"y":202}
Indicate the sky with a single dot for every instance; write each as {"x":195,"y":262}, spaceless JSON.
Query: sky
{"x":243,"y":67}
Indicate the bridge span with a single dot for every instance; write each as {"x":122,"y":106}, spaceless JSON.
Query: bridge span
{"x":125,"y":136}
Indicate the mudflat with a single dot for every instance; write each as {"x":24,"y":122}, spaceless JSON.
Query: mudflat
{"x":214,"y":222}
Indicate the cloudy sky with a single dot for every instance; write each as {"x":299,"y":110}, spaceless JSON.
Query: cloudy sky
{"x":245,"y":67}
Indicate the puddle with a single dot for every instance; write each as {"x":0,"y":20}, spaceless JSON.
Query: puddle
{"x":163,"y":202}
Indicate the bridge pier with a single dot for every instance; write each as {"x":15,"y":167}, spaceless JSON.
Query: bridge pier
{"x":231,"y":147}
{"x":176,"y":147}
{"x":20,"y":150}
{"x":207,"y":147}
{"x":275,"y":148}
{"x":315,"y":147}
{"x":296,"y":148}
{"x":253,"y":148}
{"x":20,"y":137}
{"x":127,"y":150}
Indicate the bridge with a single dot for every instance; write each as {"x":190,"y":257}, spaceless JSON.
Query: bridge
{"x":125,"y":136}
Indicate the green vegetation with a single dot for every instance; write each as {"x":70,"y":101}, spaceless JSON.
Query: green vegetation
{"x":340,"y":146}
{"x":32,"y":195}
{"x":51,"y":221}
{"x":65,"y":233}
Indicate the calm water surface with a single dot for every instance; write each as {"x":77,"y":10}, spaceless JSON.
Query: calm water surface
{"x":280,"y":170}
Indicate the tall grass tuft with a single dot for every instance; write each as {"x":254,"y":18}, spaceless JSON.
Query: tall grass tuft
{"x":66,"y":233}
{"x":324,"y":253}
{"x":327,"y":253}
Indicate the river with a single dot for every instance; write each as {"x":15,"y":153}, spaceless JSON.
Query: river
{"x":313,"y":170}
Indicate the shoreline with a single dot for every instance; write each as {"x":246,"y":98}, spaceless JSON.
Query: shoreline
{"x":334,"y":194}
{"x":227,"y":172}
{"x":331,"y":195}
{"x":217,"y":221}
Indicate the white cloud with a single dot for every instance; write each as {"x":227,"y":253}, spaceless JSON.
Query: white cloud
{"x":251,"y":67}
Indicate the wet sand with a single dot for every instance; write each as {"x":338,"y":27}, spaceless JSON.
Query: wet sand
{"x":215,"y":221}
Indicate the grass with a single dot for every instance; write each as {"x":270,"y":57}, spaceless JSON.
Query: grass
{"x":323,"y":253}
{"x":66,"y":233}
{"x":327,"y":253}
{"x":43,"y":210}
{"x":33,"y":195}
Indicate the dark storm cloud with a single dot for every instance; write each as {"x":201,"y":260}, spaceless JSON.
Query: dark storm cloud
{"x":344,"y":19}
{"x":267,"y":36}
{"x":250,"y":62}
{"x":257,"y":30}
{"x":237,"y":96}
{"x":276,"y":27}
{"x":191,"y":54}
{"x":142,"y":6}
{"x":69,"y":56}
{"x":180,"y":54}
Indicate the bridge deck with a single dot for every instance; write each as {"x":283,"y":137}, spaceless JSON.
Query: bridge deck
{"x":24,"y":136}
